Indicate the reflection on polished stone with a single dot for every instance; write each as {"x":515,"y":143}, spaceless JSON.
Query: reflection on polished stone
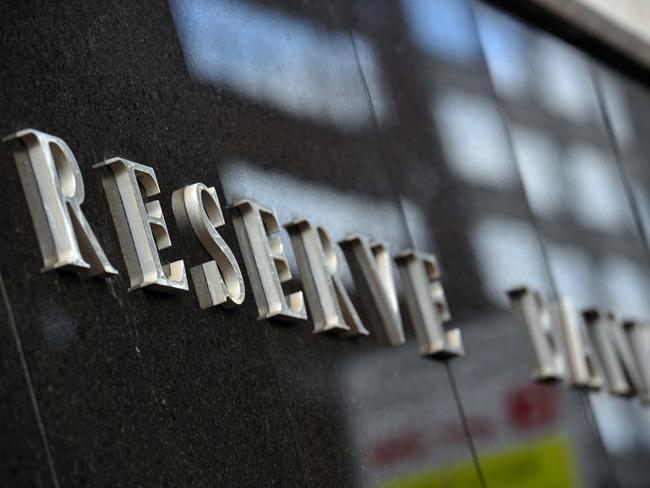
{"x":509,"y":254}
{"x":287,"y":62}
{"x":373,"y":116}
{"x":340,"y":212}
{"x":563,"y":81}
{"x":597,"y":197}
{"x":399,"y":424}
{"x":442,"y":28}
{"x":475,"y":139}
{"x":503,"y":42}
{"x":537,"y":155}
{"x":571,"y":170}
{"x":626,"y":283}
{"x":574,"y":271}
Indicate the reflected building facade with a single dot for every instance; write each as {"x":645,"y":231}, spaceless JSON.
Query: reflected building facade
{"x":450,"y":127}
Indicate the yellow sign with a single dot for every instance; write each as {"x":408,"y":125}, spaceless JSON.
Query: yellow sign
{"x":543,"y":463}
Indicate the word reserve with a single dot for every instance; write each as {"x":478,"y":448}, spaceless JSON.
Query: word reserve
{"x":54,"y":188}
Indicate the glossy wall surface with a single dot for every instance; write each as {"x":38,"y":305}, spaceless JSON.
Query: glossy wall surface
{"x":445,"y":126}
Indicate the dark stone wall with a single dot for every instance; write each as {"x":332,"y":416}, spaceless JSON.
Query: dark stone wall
{"x":384,"y":118}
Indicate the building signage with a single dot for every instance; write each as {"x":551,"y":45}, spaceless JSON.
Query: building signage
{"x":54,"y":188}
{"x":606,"y":351}
{"x":599,"y":351}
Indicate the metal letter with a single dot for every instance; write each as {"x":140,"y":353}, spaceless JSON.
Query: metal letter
{"x":330,"y":307}
{"x":141,"y":227}
{"x":623,"y":351}
{"x":638,"y":334}
{"x":257,"y":228}
{"x":371,"y":268}
{"x":529,"y":306}
{"x":219,"y":281}
{"x":427,"y":305}
{"x":54,"y":189}
{"x":584,"y":369}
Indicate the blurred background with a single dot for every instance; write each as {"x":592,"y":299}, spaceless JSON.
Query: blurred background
{"x":510,"y":139}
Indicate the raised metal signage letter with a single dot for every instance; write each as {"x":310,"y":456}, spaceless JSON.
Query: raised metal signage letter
{"x":559,"y":350}
{"x":371,"y":268}
{"x":257,"y":231}
{"x":583,"y":367}
{"x":330,"y":307}
{"x":219,"y":281}
{"x":140,"y":225}
{"x":530,"y":308}
{"x":623,"y":348}
{"x":638,"y":334}
{"x":427,"y":305}
{"x":54,"y":189}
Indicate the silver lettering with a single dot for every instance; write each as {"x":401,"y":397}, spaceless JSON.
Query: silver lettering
{"x":529,"y":306}
{"x":427,"y":305}
{"x":371,"y":268}
{"x":583,"y":367}
{"x":140,"y":225}
{"x":623,"y":350}
{"x":219,"y":281}
{"x":257,"y":231}
{"x":54,"y":189}
{"x":330,"y":307}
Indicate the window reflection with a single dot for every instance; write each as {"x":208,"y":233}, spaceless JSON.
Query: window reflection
{"x":597,"y":196}
{"x":420,"y":229}
{"x":341,"y":212}
{"x":617,"y":110}
{"x":538,"y":164}
{"x":296,"y":66}
{"x":475,"y":138}
{"x":510,"y":255}
{"x":642,"y":200}
{"x":291,"y":64}
{"x":399,"y":411}
{"x":626,"y":285}
{"x":503,"y":41}
{"x":565,"y":163}
{"x":573,"y":270}
{"x":442,"y":28}
{"x":617,"y":432}
{"x":563,"y":81}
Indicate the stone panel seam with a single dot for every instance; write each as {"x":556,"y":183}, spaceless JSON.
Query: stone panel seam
{"x":28,"y":380}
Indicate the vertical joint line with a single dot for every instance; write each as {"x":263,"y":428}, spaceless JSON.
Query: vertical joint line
{"x":378,"y":140}
{"x":28,"y":380}
{"x":466,"y":429}
{"x":618,"y":157}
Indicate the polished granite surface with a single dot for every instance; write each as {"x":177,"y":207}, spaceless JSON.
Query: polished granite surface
{"x":447,"y":126}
